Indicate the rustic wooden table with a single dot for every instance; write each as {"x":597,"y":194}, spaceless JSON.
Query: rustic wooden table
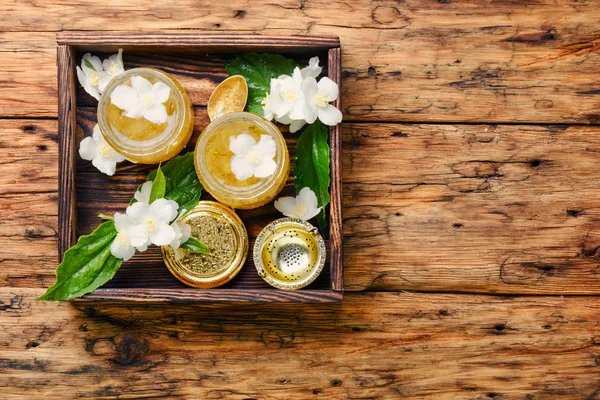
{"x":471,"y":214}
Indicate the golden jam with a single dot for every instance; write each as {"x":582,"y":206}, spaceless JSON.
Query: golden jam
{"x":139,"y":139}
{"x":213,"y":161}
{"x":217,"y":155}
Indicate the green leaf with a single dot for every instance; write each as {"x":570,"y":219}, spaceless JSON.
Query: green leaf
{"x":181,"y":182}
{"x":158,"y":186}
{"x":89,"y":64}
{"x":195,"y":246}
{"x":86,"y":266}
{"x":259,"y":69}
{"x":311,"y":163}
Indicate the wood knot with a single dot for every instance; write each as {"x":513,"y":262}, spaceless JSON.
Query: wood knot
{"x":535,"y":163}
{"x":29,"y":128}
{"x":131,"y":349}
{"x":386,"y":15}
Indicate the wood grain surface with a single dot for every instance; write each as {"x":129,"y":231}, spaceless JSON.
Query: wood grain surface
{"x":373,"y":345}
{"x":465,"y":60}
{"x":470,"y":159}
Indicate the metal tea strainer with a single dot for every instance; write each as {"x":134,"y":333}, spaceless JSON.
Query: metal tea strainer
{"x":289,"y":253}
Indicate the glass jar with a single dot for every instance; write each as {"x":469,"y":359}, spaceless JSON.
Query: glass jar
{"x":137,"y":138}
{"x":213,"y":159}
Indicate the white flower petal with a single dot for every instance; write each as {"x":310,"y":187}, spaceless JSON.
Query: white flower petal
{"x":121,"y":247}
{"x":175,"y":243}
{"x":137,"y":111}
{"x":310,"y":90}
{"x":186,"y":231}
{"x":285,"y":205}
{"x":97,"y":134}
{"x":104,"y":82}
{"x":308,"y":197}
{"x":313,"y":70}
{"x":286,"y":120}
{"x":304,"y":110}
{"x":265,"y":168}
{"x":241,"y":144}
{"x":122,"y":222}
{"x":182,"y":234}
{"x":87,"y":85}
{"x":163,"y":235}
{"x":138,"y":211}
{"x":160,"y":92}
{"x":310,"y":213}
{"x":113,"y":65}
{"x":138,"y":235}
{"x":115,"y":155}
{"x":295,"y":126}
{"x":94,"y":60}
{"x":125,"y":97}
{"x":328,"y":88}
{"x":267,"y":113}
{"x":141,"y":84}
{"x":297,"y":77}
{"x":330,"y":115}
{"x":266,"y":147}
{"x":304,"y":206}
{"x":88,"y":149}
{"x":157,"y":114}
{"x":105,"y":165}
{"x":120,"y":60}
{"x":142,"y":248}
{"x":278,"y":106}
{"x":143,"y":195}
{"x":164,"y":210}
{"x":241,"y":168}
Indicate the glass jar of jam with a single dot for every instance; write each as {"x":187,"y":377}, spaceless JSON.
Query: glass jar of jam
{"x":258,"y":148}
{"x":146,"y":115}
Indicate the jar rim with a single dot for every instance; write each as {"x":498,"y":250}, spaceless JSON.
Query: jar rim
{"x":138,"y":148}
{"x":241,"y":193}
{"x":228,"y":272}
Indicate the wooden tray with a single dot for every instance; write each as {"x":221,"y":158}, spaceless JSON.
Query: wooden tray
{"x":196,"y":61}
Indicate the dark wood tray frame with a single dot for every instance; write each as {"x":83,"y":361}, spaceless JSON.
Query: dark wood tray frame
{"x":69,"y":44}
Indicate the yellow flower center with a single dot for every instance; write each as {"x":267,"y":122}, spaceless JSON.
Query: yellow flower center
{"x":322,"y":100}
{"x":123,"y":239}
{"x":105,"y":150}
{"x":151,"y":225}
{"x":95,"y":78}
{"x":252,"y":157}
{"x":113,"y":70}
{"x":300,"y":208}
{"x":289,"y":95}
{"x":148,"y":100}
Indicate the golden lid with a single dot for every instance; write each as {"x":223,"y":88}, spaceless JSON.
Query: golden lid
{"x":230,"y":96}
{"x":223,"y":232}
{"x":289,"y":253}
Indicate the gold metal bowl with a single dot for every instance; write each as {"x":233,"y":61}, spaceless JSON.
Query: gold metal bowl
{"x":223,"y":232}
{"x":289,"y":253}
